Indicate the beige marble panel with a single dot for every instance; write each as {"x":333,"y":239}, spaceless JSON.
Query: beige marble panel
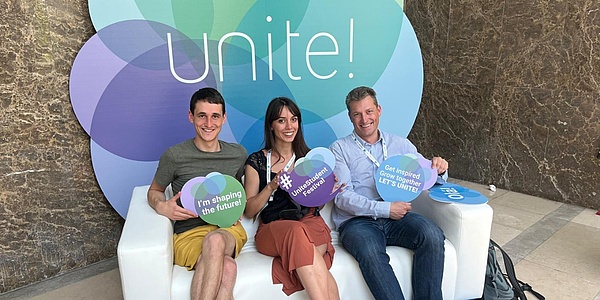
{"x":555,"y":284}
{"x":104,"y":286}
{"x":572,"y":250}
{"x":513,"y":217}
{"x":527,"y":203}
{"x":503,"y":234}
{"x":588,"y":217}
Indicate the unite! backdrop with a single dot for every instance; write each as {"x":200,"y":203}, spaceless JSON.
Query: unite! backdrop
{"x":131,"y":82}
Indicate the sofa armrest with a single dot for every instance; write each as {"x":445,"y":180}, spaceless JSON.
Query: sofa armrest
{"x":468,"y":228}
{"x":145,"y":251}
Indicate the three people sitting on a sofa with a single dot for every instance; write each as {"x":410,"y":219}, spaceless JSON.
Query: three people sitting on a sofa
{"x":302,"y":259}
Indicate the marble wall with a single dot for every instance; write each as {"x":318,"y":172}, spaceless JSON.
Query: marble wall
{"x":511,"y":94}
{"x":511,"y":97}
{"x":53,"y":216}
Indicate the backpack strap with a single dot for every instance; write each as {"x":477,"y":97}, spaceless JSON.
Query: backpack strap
{"x":510,"y":272}
{"x":527,"y":288}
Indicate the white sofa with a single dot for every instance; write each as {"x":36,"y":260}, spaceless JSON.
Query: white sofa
{"x":145,"y":254}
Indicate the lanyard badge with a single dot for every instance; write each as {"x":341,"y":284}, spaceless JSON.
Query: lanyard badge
{"x":287,"y":167}
{"x":367,"y":153}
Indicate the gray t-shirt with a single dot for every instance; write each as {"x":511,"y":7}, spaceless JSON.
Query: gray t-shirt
{"x":184,"y":161}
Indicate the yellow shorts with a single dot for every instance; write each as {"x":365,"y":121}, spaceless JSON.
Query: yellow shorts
{"x":187,"y":245}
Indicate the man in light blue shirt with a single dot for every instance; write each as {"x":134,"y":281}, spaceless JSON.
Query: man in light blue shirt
{"x":366,"y":223}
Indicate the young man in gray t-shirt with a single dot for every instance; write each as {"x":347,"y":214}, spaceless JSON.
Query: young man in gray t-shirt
{"x":199,"y":246}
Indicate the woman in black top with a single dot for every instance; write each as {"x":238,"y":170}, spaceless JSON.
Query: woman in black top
{"x":296,"y":236}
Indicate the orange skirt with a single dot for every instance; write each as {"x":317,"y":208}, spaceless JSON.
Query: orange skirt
{"x":292,"y":243}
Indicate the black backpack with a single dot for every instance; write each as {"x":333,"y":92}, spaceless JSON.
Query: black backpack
{"x":504,"y":286}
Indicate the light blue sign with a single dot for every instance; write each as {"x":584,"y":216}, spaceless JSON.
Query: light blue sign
{"x":404,"y":177}
{"x":451,"y":192}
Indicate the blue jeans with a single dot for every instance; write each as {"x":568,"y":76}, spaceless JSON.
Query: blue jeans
{"x":366,"y":239}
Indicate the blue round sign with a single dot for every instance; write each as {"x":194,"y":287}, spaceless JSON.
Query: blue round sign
{"x":451,"y":192}
{"x":403,"y":177}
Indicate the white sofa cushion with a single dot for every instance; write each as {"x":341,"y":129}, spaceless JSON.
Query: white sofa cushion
{"x":145,"y":255}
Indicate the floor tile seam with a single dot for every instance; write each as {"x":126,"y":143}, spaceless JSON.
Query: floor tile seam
{"x":561,"y":271}
{"x":577,"y":278}
{"x":587,"y":224}
{"x":521,"y":230}
{"x":497,"y":194}
{"x":523,"y":210}
{"x":524,"y":237}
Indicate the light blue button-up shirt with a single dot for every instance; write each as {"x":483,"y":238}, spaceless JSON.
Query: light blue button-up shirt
{"x":353,"y":167}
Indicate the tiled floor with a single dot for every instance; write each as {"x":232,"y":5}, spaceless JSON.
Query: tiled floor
{"x":555,"y":247}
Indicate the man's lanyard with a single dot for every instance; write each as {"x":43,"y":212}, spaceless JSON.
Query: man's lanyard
{"x":289,"y":164}
{"x":367,"y":153}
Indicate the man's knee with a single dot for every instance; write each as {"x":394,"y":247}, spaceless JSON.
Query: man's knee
{"x":363,"y":242}
{"x":432,"y":236}
{"x":366,"y":249}
{"x":214,"y":241}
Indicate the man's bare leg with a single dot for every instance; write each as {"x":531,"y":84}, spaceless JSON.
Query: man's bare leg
{"x":206,"y":283}
{"x":228,"y":279}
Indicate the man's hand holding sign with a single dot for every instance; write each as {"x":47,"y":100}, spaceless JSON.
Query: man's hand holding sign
{"x":402,"y":178}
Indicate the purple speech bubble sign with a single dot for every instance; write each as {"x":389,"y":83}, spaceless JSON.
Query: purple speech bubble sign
{"x":311,"y":183}
{"x":310,"y":191}
{"x":188,"y":192}
{"x":429,"y":172}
